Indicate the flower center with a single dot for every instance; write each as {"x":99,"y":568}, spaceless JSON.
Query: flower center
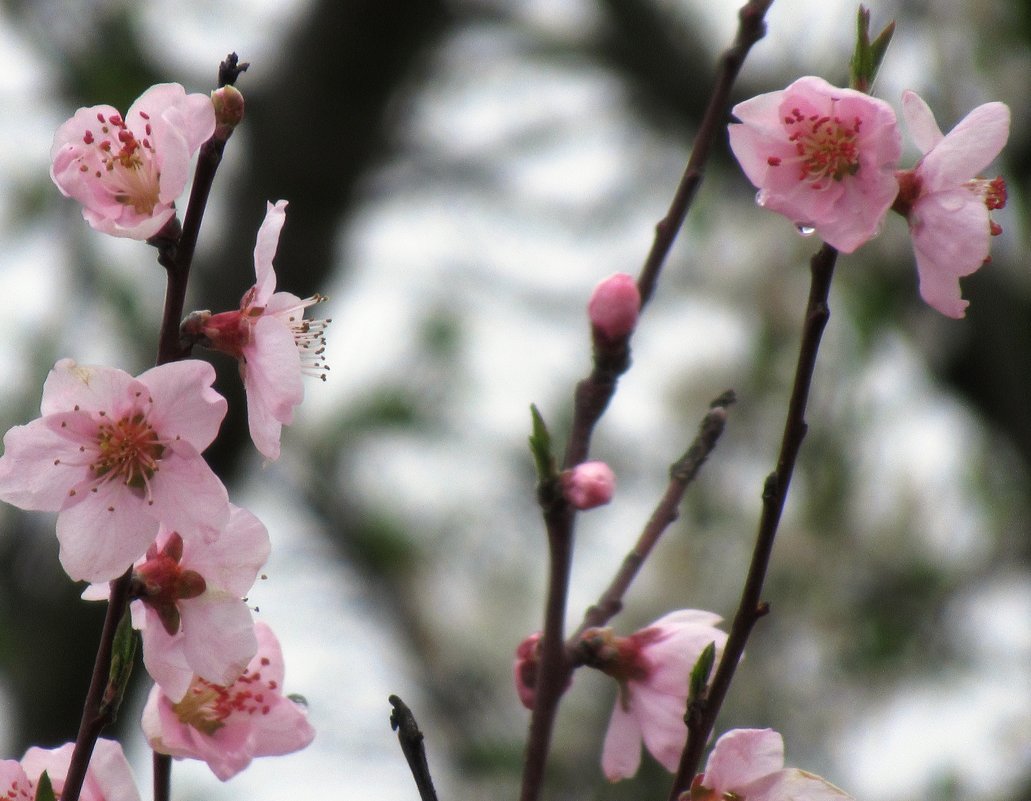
{"x":128,"y":449}
{"x":207,"y":707}
{"x":160,"y":582}
{"x":826,"y":146}
{"x":127,"y":164}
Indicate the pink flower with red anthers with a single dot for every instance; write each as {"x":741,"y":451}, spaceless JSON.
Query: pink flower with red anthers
{"x":115,"y":456}
{"x":748,"y":764}
{"x":275,"y":345}
{"x":227,"y":726}
{"x":128,"y":171}
{"x":652,"y":667}
{"x":108,"y":777}
{"x":189,"y":603}
{"x":823,"y":157}
{"x":948,"y":208}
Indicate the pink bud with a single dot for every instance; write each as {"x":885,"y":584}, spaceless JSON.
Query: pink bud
{"x":614,"y":306}
{"x":588,"y":485}
{"x":228,"y":103}
{"x":525,"y":669}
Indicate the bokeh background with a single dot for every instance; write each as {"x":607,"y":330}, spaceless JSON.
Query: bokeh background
{"x":460,"y":174}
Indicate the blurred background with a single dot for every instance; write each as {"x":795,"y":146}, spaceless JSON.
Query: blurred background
{"x":460,"y":174}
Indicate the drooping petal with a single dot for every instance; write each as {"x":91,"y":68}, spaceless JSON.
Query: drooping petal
{"x":660,"y":717}
{"x":218,"y":639}
{"x":621,"y":753}
{"x":272,"y":378}
{"x":950,"y":239}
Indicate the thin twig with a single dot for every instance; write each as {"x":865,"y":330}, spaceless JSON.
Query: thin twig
{"x":681,"y":474}
{"x":751,"y":607}
{"x":408,"y":734}
{"x":162,"y":767}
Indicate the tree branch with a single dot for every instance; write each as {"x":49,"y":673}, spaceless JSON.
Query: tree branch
{"x":408,"y":734}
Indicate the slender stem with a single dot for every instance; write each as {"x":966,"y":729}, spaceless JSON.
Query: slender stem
{"x":681,"y":474}
{"x":162,"y":777}
{"x":592,"y":397}
{"x":751,"y":28}
{"x":95,"y":715}
{"x":751,"y":607}
{"x":175,"y":253}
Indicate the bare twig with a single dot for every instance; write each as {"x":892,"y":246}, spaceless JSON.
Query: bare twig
{"x":408,"y":734}
{"x":751,"y":606}
{"x":681,"y":474}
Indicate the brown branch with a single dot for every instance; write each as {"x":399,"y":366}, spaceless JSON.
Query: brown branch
{"x":751,"y":607}
{"x":681,"y":474}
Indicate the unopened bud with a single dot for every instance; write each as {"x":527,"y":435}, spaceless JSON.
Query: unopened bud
{"x":228,"y":103}
{"x":614,"y":306}
{"x":588,"y":485}
{"x":525,"y":669}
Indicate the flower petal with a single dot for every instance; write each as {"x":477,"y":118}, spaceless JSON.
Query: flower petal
{"x":265,"y":251}
{"x":621,"y":754}
{"x":923,"y":128}
{"x":742,"y":756}
{"x":968,"y":148}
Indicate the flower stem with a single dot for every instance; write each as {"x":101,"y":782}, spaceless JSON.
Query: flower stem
{"x":751,"y":607}
{"x":592,"y":397}
{"x":162,"y":777}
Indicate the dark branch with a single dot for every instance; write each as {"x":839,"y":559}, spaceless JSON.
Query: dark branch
{"x":408,"y":734}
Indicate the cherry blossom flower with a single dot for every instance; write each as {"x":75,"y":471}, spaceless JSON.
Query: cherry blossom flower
{"x":270,"y":337}
{"x":115,"y":455}
{"x":748,"y":764}
{"x":823,"y":157}
{"x":947,"y":206}
{"x":614,"y":306}
{"x":188,"y":603}
{"x":108,"y":777}
{"x":228,"y":726}
{"x":588,"y":485}
{"x":652,"y":667}
{"x":127,"y":172}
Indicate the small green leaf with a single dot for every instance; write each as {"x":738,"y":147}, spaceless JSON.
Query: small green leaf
{"x":44,"y":789}
{"x":123,"y":656}
{"x":540,"y":447}
{"x":867,"y":58}
{"x":701,"y":671}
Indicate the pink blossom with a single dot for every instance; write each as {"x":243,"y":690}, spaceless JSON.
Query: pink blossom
{"x":588,"y":485}
{"x":127,"y":172}
{"x":271,"y":338}
{"x":614,"y":306}
{"x":228,"y":726}
{"x":115,"y":455}
{"x":823,"y":157}
{"x":749,"y":764}
{"x":946,"y":205}
{"x":189,"y":603}
{"x":108,"y":777}
{"x":652,"y":667}
{"x":14,"y":784}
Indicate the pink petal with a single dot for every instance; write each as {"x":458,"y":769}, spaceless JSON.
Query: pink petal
{"x":265,"y":251}
{"x":163,"y":656}
{"x":283,"y":730}
{"x":184,"y":404}
{"x":621,"y":754}
{"x":232,"y":561}
{"x":13,"y":776}
{"x":218,"y":636}
{"x":660,"y":716}
{"x":186,"y":495}
{"x":923,"y":128}
{"x":38,"y":467}
{"x":951,"y":239}
{"x":272,"y":378}
{"x":968,"y":148}
{"x":92,"y":389}
{"x":742,"y":756}
{"x":102,"y":535}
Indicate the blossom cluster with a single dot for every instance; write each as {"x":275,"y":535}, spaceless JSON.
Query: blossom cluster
{"x":828,"y":159}
{"x":119,"y":458}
